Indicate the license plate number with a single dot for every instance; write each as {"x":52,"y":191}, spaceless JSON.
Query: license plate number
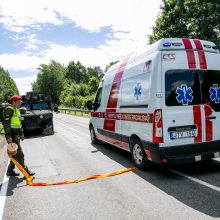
{"x":182,"y":134}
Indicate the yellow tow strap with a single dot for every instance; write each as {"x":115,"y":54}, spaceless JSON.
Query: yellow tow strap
{"x":29,"y":179}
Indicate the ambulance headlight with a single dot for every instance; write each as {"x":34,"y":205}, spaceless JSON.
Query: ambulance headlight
{"x":167,"y":44}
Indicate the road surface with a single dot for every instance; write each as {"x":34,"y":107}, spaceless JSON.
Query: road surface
{"x":181,"y":192}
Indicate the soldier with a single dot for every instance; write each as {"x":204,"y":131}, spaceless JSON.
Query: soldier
{"x":14,"y":133}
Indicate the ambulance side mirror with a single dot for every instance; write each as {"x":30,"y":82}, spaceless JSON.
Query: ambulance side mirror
{"x":89,"y":105}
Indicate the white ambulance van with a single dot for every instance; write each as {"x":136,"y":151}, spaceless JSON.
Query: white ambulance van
{"x":162,"y":105}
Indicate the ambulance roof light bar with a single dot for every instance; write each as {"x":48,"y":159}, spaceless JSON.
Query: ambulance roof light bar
{"x":167,"y":44}
{"x":216,"y":47}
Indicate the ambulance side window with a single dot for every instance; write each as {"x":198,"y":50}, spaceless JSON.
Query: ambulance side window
{"x":182,"y":88}
{"x":211,"y":88}
{"x":98,"y":99}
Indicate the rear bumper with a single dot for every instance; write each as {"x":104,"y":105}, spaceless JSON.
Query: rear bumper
{"x":183,"y":153}
{"x":29,"y":124}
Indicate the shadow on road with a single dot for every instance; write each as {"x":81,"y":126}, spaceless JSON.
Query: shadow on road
{"x":190,"y":193}
{"x":13,"y":182}
{"x":36,"y":134}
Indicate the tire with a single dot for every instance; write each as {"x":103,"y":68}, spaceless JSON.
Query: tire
{"x":48,"y":128}
{"x":94,"y":140}
{"x":138,"y":155}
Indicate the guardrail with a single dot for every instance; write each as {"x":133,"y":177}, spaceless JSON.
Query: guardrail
{"x":75,"y":111}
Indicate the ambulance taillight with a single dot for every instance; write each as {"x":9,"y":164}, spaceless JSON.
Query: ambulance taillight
{"x":157,"y":126}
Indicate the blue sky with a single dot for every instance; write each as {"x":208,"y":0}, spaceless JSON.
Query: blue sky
{"x":92,"y":32}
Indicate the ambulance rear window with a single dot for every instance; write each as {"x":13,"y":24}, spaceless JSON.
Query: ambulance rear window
{"x":182,"y":88}
{"x":211,"y":88}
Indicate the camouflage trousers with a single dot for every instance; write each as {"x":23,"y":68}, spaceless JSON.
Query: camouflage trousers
{"x":19,"y":156}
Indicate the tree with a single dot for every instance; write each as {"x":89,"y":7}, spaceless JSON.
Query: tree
{"x":188,"y":18}
{"x":80,"y":84}
{"x":93,"y":85}
{"x":77,"y":72}
{"x":7,"y":86}
{"x":95,"y":72}
{"x":50,"y":80}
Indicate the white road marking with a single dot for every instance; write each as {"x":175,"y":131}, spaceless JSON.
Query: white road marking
{"x":3,"y":192}
{"x":216,"y":188}
{"x":72,"y":129}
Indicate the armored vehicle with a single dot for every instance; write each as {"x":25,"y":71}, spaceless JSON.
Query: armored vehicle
{"x":36,"y":113}
{"x":2,"y":107}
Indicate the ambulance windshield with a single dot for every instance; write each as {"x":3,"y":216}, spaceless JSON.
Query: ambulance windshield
{"x":192,"y":87}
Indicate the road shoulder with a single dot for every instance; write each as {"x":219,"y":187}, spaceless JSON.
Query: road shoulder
{"x":3,"y":157}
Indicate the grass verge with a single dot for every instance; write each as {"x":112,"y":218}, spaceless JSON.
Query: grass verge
{"x":80,"y":114}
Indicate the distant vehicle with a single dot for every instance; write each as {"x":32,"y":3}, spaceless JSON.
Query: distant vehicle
{"x":36,"y":113}
{"x":162,"y":105}
{"x":2,"y":108}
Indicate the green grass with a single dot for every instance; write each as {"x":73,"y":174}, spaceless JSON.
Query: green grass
{"x":80,"y":114}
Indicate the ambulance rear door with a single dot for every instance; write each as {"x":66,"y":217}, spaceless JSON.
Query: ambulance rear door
{"x":181,"y":104}
{"x":210,"y":86}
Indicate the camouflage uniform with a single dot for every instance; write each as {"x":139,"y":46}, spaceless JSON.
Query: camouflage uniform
{"x":15,"y":135}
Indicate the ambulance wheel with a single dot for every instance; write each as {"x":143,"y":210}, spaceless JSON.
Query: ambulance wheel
{"x":138,"y":156}
{"x":94,"y":140}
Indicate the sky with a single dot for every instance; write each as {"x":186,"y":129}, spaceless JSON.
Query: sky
{"x":94,"y":32}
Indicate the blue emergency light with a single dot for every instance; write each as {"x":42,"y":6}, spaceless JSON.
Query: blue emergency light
{"x":216,"y":47}
{"x":167,"y":44}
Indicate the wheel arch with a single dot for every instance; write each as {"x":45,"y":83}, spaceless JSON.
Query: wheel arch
{"x":132,"y":138}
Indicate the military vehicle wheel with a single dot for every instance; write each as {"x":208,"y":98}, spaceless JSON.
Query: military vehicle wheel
{"x":138,"y":155}
{"x":94,"y":140}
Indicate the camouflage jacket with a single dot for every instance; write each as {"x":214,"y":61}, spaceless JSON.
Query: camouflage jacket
{"x":9,"y":132}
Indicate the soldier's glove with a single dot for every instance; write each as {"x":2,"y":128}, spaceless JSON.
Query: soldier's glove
{"x":9,"y":140}
{"x":22,"y":136}
{"x":12,"y":149}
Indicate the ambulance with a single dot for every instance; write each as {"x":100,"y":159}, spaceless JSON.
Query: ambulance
{"x":162,"y":104}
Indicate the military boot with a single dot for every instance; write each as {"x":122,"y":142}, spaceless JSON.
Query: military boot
{"x":30,"y":173}
{"x":12,"y":173}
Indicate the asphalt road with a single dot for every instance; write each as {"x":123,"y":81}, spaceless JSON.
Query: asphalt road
{"x":193,"y":192}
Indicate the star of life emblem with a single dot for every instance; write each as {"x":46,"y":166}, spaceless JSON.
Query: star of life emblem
{"x":137,"y":91}
{"x":184,"y":94}
{"x":215,"y":93}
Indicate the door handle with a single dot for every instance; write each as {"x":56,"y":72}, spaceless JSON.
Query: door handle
{"x":211,"y":117}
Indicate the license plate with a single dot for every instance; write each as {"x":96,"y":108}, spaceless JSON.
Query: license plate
{"x":182,"y":134}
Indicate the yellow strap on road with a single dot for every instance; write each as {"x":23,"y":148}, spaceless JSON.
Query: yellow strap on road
{"x":29,"y":179}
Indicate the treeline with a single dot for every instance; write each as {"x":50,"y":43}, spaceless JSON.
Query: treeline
{"x":188,"y":18}
{"x":74,"y":84}
{"x":7,"y":86}
{"x":70,"y":85}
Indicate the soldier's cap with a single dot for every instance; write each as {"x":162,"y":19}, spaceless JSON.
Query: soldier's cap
{"x":15,"y":98}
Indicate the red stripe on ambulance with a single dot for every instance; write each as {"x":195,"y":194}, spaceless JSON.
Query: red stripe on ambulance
{"x":113,"y":141}
{"x":198,"y":121}
{"x":201,"y":54}
{"x":208,"y":123}
{"x":190,"y":53}
{"x":133,"y":117}
{"x":109,"y":124}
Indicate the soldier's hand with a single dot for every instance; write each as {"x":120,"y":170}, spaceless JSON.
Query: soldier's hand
{"x":9,"y":140}
{"x":22,"y":137}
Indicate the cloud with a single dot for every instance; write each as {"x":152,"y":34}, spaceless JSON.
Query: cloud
{"x":20,"y":61}
{"x":135,"y":17}
{"x":130,"y":22}
{"x":24,"y":83}
{"x":24,"y":13}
